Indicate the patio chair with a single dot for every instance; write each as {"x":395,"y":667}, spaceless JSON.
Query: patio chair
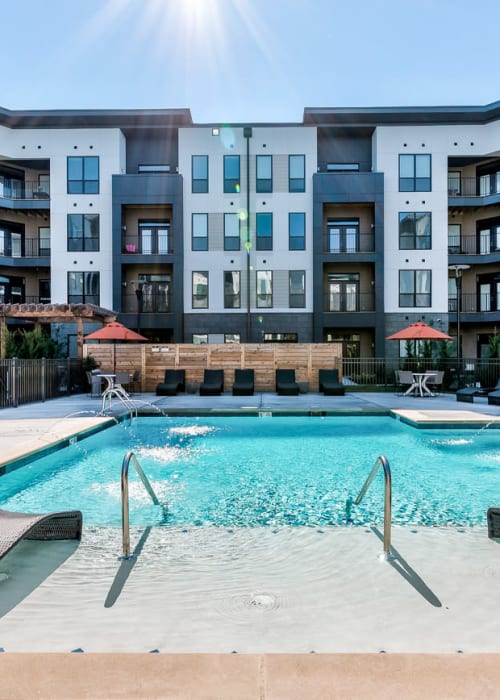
{"x":135,"y":381}
{"x":95,"y":383}
{"x":404,"y":380}
{"x":285,"y":383}
{"x":213,"y":382}
{"x":243,"y":384}
{"x":122,"y":379}
{"x":173,"y":382}
{"x":435,"y":383}
{"x":329,"y":382}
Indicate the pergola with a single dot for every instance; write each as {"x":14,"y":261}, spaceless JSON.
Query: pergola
{"x":54,"y":313}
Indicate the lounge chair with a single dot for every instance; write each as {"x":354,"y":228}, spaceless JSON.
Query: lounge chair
{"x":329,"y":382}
{"x":243,"y":384}
{"x":285,"y":383}
{"x":213,"y":382}
{"x":14,"y":527}
{"x":173,"y":382}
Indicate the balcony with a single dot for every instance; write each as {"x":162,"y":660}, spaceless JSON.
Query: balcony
{"x":349,"y":243}
{"x":27,"y":248}
{"x":151,"y":303}
{"x":480,"y":244}
{"x":22,"y":189}
{"x":483,"y":186}
{"x":150,"y":245}
{"x":475,"y":303}
{"x":348,"y":303}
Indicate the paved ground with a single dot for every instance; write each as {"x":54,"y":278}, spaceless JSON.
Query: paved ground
{"x":272,"y":598}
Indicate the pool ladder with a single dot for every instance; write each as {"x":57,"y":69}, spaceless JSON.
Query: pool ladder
{"x":130,"y":457}
{"x":384,"y":463}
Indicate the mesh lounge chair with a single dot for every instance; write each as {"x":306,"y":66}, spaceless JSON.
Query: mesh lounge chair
{"x":14,"y":527}
{"x":329,"y":382}
{"x":285,"y":383}
{"x":213,"y":382}
{"x":173,"y":382}
{"x":243,"y":384}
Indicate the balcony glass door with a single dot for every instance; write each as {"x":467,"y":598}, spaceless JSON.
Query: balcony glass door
{"x":343,"y":292}
{"x":343,"y":236}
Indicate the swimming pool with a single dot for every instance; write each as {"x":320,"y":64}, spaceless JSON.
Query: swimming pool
{"x":272,"y":471}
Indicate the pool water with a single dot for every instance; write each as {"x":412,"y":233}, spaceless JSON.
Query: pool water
{"x":270,"y":471}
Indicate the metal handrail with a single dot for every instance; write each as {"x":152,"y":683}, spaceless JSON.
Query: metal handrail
{"x":130,"y":457}
{"x":384,"y":462}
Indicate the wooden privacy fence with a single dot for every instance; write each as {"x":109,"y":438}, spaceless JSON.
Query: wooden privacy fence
{"x":264,"y":359}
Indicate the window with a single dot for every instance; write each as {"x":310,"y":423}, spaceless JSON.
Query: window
{"x":200,"y":290}
{"x":342,"y":292}
{"x":44,"y":291}
{"x":296,"y":289}
{"x":200,"y":338}
{"x":414,"y":288}
{"x":296,"y":173}
{"x":83,"y":288}
{"x":415,"y":173}
{"x":264,"y":231}
{"x":155,"y":288}
{"x":44,"y":240}
{"x":83,"y":232}
{"x":296,"y":231}
{"x":454,"y":238}
{"x":414,"y":230}
{"x":83,"y":175}
{"x":231,"y":232}
{"x":153,"y":168}
{"x":232,"y":288}
{"x":199,"y":238}
{"x":264,"y":170}
{"x":264,"y":289}
{"x":231,"y":174}
{"x":231,"y":337}
{"x":154,"y":237}
{"x":343,"y":236}
{"x":454,"y":183}
{"x":199,"y":173}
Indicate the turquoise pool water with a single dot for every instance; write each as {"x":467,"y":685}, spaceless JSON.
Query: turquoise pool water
{"x":272,"y":471}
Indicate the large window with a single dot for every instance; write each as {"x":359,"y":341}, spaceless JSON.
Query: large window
{"x":343,"y":236}
{"x":44,"y":240}
{"x":296,"y":231}
{"x":154,"y":237}
{"x":296,"y":289}
{"x":83,"y":232}
{"x":199,"y":238}
{"x":415,"y":288}
{"x":156,"y":293}
{"x":414,"y":230}
{"x":415,"y":173}
{"x":231,"y":232}
{"x":342,"y":291}
{"x":83,"y":175}
{"x":264,"y":170}
{"x":296,"y":173}
{"x":232,"y":289}
{"x":264,"y":289}
{"x":199,"y":171}
{"x":264,"y":231}
{"x":231,"y":174}
{"x":200,"y":290}
{"x":83,"y":288}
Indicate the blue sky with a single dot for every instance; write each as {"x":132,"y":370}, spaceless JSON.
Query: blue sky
{"x":248,"y":60}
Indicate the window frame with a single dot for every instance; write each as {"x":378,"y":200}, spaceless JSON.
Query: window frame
{"x":263,"y":185}
{"x":94,"y":241}
{"x":194,"y":295}
{"x":201,"y":240}
{"x":199,"y":185}
{"x":232,"y":184}
{"x":413,"y":238}
{"x":296,"y":184}
{"x":232,"y":243}
{"x":266,"y":303}
{"x":263,"y":241}
{"x":235,"y":296}
{"x":83,"y":184}
{"x":413,"y":181}
{"x":298,"y":297}
{"x":86,"y":280}
{"x":295,"y":241}
{"x":414,"y":294}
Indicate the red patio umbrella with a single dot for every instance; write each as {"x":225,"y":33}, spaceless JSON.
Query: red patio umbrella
{"x":114,"y":331}
{"x":419,"y":331}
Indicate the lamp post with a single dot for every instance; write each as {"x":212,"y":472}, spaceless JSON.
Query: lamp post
{"x":138,"y":294}
{"x":459,"y":269}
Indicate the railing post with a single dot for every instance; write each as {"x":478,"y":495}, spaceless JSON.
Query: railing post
{"x":42,"y":378}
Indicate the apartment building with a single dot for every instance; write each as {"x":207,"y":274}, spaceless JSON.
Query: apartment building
{"x":344,"y":227}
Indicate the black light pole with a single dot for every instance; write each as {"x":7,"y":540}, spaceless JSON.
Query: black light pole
{"x":138,"y":293}
{"x":247,"y":133}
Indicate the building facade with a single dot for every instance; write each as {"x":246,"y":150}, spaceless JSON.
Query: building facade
{"x":342,"y":228}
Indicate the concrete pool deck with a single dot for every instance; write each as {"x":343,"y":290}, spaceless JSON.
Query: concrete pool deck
{"x":292,"y":614}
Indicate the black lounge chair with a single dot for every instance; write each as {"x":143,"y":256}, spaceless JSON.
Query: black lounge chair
{"x":243,"y":384}
{"x":213,"y":382}
{"x":14,"y":527}
{"x":329,"y":382}
{"x":174,"y":381}
{"x":285,"y":382}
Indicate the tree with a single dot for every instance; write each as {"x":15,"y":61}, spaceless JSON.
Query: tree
{"x":31,"y":345}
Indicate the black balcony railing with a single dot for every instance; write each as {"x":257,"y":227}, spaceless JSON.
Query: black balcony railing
{"x":480,"y":244}
{"x":27,"y":248}
{"x":474,"y":186}
{"x":345,"y":302}
{"x":150,"y":245}
{"x":154,"y":303}
{"x":475,"y":303}
{"x":22,"y":189}
{"x":359,"y":243}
